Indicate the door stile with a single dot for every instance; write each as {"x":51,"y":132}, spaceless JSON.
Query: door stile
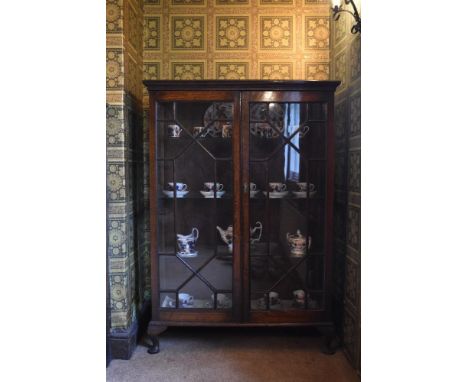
{"x":237,"y":206}
{"x":330,"y":181}
{"x":245,"y":192}
{"x":153,"y":208}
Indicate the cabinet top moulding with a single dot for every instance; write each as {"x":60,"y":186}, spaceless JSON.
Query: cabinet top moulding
{"x":241,"y":85}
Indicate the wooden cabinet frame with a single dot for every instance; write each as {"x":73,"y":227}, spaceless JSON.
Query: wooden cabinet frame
{"x":240,"y":93}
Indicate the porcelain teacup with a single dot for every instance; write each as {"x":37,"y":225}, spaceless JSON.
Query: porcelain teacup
{"x":277,"y":187}
{"x":174,"y":131}
{"x":299,"y":296}
{"x":274,"y":298}
{"x":253,"y":186}
{"x":199,"y":130}
{"x":211,"y":186}
{"x":178,"y":186}
{"x":185,"y":299}
{"x":222,"y":299}
{"x":303,"y":186}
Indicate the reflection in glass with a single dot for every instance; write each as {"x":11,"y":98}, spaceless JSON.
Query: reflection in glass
{"x":194,"y":173}
{"x":287,"y":163}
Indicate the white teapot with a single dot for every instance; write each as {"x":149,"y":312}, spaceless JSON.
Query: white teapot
{"x":227,"y":234}
{"x":297,"y":244}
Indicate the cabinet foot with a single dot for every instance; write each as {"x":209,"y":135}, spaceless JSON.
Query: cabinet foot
{"x":330,"y":342}
{"x":154,"y":348}
{"x":154,"y":330}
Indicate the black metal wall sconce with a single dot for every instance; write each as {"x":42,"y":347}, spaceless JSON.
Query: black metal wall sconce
{"x":337,"y":8}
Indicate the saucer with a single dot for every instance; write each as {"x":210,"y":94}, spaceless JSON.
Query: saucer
{"x":185,"y":254}
{"x":276,"y":195}
{"x":253,"y":193}
{"x":303,"y":194}
{"x":210,"y":194}
{"x":179,"y":194}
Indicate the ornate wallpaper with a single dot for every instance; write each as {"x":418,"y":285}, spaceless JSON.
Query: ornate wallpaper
{"x":236,"y":39}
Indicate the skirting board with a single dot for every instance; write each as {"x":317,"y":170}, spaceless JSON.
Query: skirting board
{"x":123,"y":343}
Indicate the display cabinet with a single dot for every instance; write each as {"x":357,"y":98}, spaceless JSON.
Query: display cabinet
{"x":241,"y":197}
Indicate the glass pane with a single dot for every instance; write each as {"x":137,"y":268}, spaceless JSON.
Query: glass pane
{"x":287,"y":192}
{"x":195,"y":177}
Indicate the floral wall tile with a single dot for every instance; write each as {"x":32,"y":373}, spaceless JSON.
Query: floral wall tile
{"x":188,"y":33}
{"x":276,"y":70}
{"x":188,"y":70}
{"x":317,"y":32}
{"x":276,"y":32}
{"x":232,"y":32}
{"x":231,"y":70}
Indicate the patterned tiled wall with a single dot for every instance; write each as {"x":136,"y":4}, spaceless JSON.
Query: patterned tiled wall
{"x":346,"y":67}
{"x":236,"y":39}
{"x":126,"y":250}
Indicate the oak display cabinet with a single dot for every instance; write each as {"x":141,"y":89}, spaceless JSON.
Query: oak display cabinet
{"x":241,"y":197}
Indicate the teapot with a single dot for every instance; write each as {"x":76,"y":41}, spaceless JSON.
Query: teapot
{"x":227,"y":234}
{"x":297,"y":244}
{"x":257,"y":228}
{"x":193,"y":236}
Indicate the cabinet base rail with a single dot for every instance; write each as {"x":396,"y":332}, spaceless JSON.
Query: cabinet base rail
{"x":330,"y":343}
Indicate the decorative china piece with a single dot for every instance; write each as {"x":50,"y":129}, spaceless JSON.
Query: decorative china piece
{"x":276,"y":195}
{"x":253,"y":190}
{"x":299,"y":297}
{"x":303,"y":194}
{"x":199,"y":130}
{"x":178,"y":186}
{"x":186,"y":244}
{"x":185,"y":299}
{"x":277,"y":186}
{"x":227,"y":234}
{"x":258,"y":227}
{"x":297,"y":244}
{"x":226,"y":131}
{"x":303,"y":186}
{"x":266,"y":120}
{"x":210,"y":194}
{"x":179,"y":194}
{"x":211,"y":186}
{"x":223,"y":301}
{"x":174,"y":131}
{"x":216,"y":116}
{"x":168,"y":302}
{"x":274,"y":298}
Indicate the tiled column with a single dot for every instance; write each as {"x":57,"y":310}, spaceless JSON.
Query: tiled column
{"x":346,"y":67}
{"x":124,"y":72}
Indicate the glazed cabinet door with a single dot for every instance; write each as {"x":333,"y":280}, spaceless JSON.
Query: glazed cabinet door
{"x":287,"y":178}
{"x":195,"y":167}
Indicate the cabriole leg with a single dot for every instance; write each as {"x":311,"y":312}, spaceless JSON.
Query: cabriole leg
{"x":154,"y":348}
{"x":331,"y":342}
